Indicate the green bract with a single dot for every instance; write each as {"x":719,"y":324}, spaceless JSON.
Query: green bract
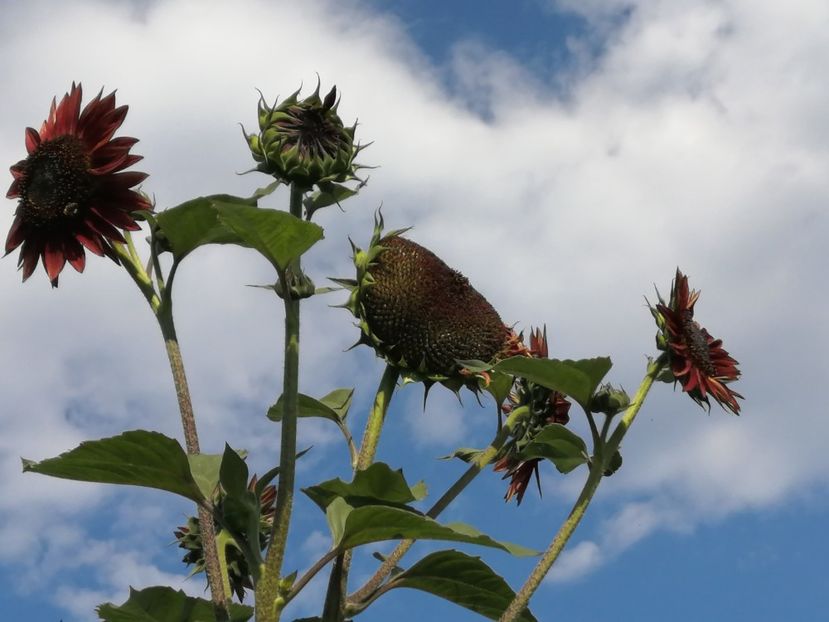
{"x":304,"y":142}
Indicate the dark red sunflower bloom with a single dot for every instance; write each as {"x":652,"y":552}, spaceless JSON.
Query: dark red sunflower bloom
{"x":72,"y":192}
{"x":546,"y":407}
{"x":698,"y":361}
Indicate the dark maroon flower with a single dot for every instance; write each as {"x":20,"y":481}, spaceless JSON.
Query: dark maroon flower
{"x":698,"y":361}
{"x":546,"y":407}
{"x":72,"y":192}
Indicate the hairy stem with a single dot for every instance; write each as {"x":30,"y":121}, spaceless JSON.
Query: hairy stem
{"x":334,"y":608}
{"x":213,"y":568}
{"x":161,"y":306}
{"x":269,"y":602}
{"x":359,"y":599}
{"x":597,"y":468}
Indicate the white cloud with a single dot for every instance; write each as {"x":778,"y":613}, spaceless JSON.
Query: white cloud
{"x":697,"y":139}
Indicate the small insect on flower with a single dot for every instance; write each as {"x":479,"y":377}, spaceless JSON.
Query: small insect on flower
{"x":73,"y":194}
{"x":699,"y":363}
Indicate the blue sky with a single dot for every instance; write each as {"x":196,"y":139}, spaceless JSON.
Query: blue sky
{"x":590,"y":147}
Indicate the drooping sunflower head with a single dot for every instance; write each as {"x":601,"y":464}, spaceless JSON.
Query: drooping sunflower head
{"x":699,"y":363}
{"x":421,"y":315}
{"x":72,"y":192}
{"x":304,"y":141}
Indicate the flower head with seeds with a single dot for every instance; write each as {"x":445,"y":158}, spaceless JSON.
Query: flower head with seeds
{"x":421,"y":315}
{"x":699,"y":363}
{"x":73,"y":194}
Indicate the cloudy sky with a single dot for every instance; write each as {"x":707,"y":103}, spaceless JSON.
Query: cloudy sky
{"x":566,"y":155}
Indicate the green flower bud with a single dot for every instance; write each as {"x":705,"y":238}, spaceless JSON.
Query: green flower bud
{"x":609,"y":401}
{"x":304,"y":142}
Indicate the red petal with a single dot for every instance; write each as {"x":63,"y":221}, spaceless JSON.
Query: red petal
{"x":14,"y":190}
{"x":117,"y":217}
{"x":91,"y":241}
{"x":18,"y":170}
{"x":74,"y":254}
{"x":125,"y":180}
{"x":116,"y":164}
{"x":68,"y":111}
{"x":28,"y":260}
{"x":47,"y":130}
{"x":103,"y":228}
{"x":32,"y":139}
{"x":53,"y":260}
{"x":17,"y":234}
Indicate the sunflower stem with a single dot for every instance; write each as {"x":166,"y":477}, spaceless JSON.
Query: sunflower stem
{"x":269,"y":601}
{"x":594,"y":478}
{"x":335,"y":602}
{"x":135,"y":269}
{"x":164,"y":315}
{"x":362,"y":597}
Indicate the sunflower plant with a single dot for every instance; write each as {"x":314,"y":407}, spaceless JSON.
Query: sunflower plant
{"x":76,"y":191}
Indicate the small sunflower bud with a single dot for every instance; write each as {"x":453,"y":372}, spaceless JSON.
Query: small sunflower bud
{"x":609,"y":401}
{"x":299,"y":285}
{"x":304,"y":142}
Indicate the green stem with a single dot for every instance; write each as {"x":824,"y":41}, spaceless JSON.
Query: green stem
{"x":597,"y":468}
{"x":362,"y":597}
{"x":162,"y":308}
{"x":374,"y":425}
{"x":334,"y":608}
{"x":213,"y":568}
{"x":269,"y":601}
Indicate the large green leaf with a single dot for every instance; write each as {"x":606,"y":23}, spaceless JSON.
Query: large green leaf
{"x":353,"y":526}
{"x":463,"y":580}
{"x":195,"y":223}
{"x":279,"y":236}
{"x":576,"y":379}
{"x":137,"y":458}
{"x":333,"y":406}
{"x":163,"y":604}
{"x":556,"y":443}
{"x":379,"y":484}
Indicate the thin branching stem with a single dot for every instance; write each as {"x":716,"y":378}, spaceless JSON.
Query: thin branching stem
{"x":594,"y":478}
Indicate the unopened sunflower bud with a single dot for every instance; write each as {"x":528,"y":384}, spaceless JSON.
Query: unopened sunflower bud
{"x":609,"y":401}
{"x":299,"y":285}
{"x":304,"y":142}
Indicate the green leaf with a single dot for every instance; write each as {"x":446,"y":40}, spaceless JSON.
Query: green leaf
{"x":499,"y":386}
{"x":195,"y":223}
{"x":353,"y":526}
{"x":463,"y":580}
{"x":233,"y":473}
{"x":163,"y":604}
{"x":467,"y":454}
{"x":576,"y":379}
{"x":278,"y":236}
{"x":205,"y":470}
{"x":329,"y":193}
{"x":136,"y":458}
{"x":376,"y":485}
{"x":333,"y":406}
{"x":558,"y":444}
